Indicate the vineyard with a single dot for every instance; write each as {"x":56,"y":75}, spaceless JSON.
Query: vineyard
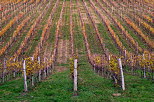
{"x":102,"y":48}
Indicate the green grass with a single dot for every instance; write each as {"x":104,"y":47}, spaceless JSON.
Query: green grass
{"x":107,"y":39}
{"x":53,"y":28}
{"x":95,"y":46}
{"x":137,"y":90}
{"x":78,"y":39}
{"x":52,"y":34}
{"x":66,"y":20}
{"x":78,"y":36}
{"x":66,"y":32}
{"x":11,"y":90}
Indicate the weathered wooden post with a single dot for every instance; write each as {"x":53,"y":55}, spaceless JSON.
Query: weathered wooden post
{"x":52,"y":66}
{"x":40,"y":69}
{"x":14,"y":73}
{"x":45,"y":74}
{"x":25,"y":76}
{"x":32,"y":58}
{"x":125,"y":55}
{"x":94,"y":68}
{"x":144,"y":70}
{"x":75,"y":75}
{"x":4,"y":69}
{"x":122,"y":75}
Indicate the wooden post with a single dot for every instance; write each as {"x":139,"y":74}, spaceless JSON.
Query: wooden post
{"x":45,"y":74}
{"x":109,"y":58}
{"x":25,"y":76}
{"x":144,"y":72}
{"x":14,"y":73}
{"x":39,"y":70}
{"x":75,"y":75}
{"x":125,"y":55}
{"x":32,"y":80}
{"x":122,"y":75}
{"x":132,"y":63}
{"x":94,"y":68}
{"x":32,"y":58}
{"x":107,"y":74}
{"x":4,"y":69}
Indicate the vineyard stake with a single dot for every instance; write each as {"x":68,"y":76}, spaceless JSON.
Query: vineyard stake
{"x":39,"y":70}
{"x":14,"y":73}
{"x":4,"y":70}
{"x":94,"y":68}
{"x":144,"y":72}
{"x":45,"y":75}
{"x":125,"y":55}
{"x":122,"y":76}
{"x":32,"y":58}
{"x":32,"y":80}
{"x":75,"y":75}
{"x":25,"y":77}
